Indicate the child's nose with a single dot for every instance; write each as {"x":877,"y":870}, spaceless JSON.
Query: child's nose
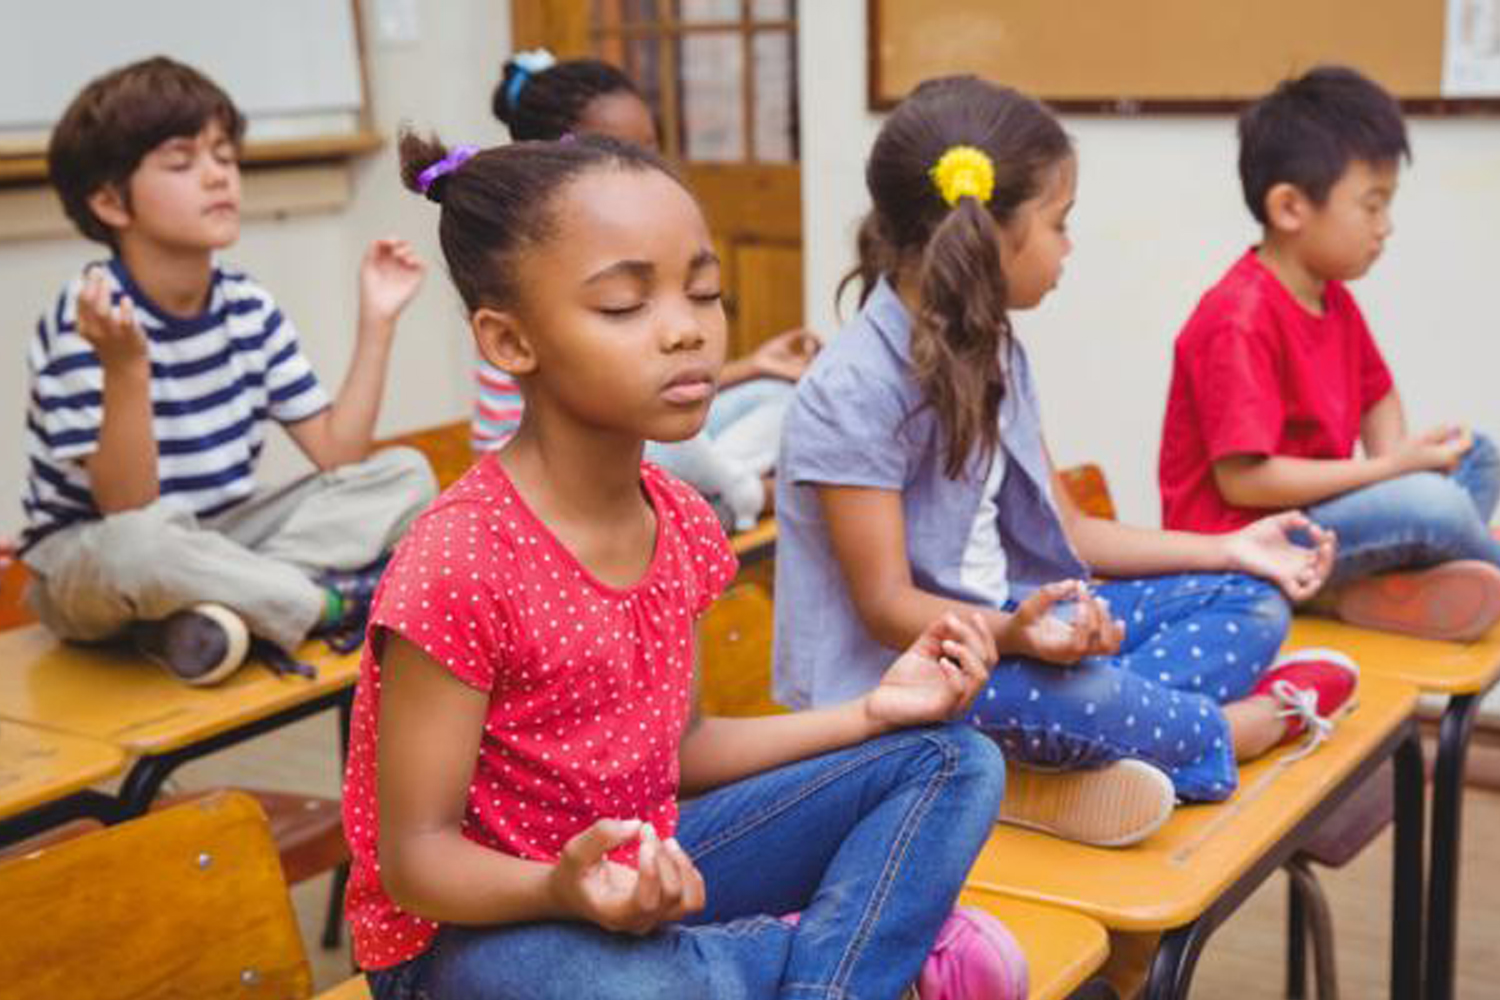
{"x":682,"y":329}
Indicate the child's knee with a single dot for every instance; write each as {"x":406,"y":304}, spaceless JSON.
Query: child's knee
{"x":1436,"y":502}
{"x":132,"y":540}
{"x":1482,"y":453}
{"x":1267,"y":615}
{"x":974,"y":760}
{"x":408,"y":468}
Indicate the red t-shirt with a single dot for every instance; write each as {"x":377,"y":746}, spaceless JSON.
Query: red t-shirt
{"x":1255,"y":373}
{"x":588,"y":684}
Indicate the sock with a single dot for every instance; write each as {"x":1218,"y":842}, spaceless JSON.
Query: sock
{"x":333,"y":607}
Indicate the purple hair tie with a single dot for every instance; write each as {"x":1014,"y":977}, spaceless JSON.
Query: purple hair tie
{"x":442,"y":168}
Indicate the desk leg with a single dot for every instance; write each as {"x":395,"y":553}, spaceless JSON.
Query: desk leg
{"x":1176,"y":960}
{"x":1447,"y":832}
{"x":144,"y":781}
{"x":333,"y":920}
{"x":1409,"y":785}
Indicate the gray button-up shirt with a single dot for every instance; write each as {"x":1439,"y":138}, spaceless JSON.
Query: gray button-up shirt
{"x":859,"y":420}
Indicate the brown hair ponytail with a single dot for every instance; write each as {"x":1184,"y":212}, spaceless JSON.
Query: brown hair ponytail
{"x":961,"y":333}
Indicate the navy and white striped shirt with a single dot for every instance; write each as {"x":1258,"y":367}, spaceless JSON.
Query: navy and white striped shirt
{"x":215,"y":379}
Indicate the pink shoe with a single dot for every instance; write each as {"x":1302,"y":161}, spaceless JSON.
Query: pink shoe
{"x":974,"y":956}
{"x":1455,"y":601}
{"x":1313,"y":687}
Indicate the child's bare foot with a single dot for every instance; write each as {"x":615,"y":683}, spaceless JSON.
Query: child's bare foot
{"x":1455,"y":601}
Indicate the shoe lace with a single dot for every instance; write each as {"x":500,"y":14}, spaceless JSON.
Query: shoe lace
{"x":1302,"y":704}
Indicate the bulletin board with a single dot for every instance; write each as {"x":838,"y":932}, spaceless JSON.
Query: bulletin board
{"x":294,"y":67}
{"x":1132,"y":56}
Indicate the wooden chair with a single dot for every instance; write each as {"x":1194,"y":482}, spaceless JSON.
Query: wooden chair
{"x":308,"y":829}
{"x":735,"y":652}
{"x":185,"y":903}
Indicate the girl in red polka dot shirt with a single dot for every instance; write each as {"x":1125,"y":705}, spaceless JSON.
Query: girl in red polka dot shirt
{"x":534,"y":808}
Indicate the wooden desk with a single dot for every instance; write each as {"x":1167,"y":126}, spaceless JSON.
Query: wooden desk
{"x":1195,"y":871}
{"x":1464,"y":673}
{"x":116,"y":697}
{"x":46,"y":776}
{"x":1063,"y":948}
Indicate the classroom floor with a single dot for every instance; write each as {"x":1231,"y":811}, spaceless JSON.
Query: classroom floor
{"x":1243,"y":960}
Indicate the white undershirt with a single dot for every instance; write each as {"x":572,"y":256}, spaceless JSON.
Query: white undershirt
{"x":982,"y":570}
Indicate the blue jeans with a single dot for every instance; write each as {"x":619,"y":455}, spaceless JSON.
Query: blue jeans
{"x":1419,"y":519}
{"x":870,"y":843}
{"x":1192,"y":643}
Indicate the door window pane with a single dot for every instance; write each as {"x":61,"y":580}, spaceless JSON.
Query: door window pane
{"x":710,"y":11}
{"x":775,"y":97}
{"x":713,"y":105}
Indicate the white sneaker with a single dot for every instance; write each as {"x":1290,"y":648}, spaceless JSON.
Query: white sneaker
{"x":1117,"y":805}
{"x":199,"y":645}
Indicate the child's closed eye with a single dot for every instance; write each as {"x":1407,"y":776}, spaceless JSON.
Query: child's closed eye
{"x":619,"y":311}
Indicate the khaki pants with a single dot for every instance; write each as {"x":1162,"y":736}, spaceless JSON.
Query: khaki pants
{"x":259,"y":558}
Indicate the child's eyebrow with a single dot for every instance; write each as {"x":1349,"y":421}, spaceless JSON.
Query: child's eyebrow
{"x":703,"y":258}
{"x":639,"y":270}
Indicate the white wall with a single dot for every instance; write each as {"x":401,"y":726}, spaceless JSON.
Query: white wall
{"x":441,"y":80}
{"x":1158,"y":218}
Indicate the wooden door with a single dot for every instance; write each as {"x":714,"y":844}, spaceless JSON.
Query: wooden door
{"x":721,"y":77}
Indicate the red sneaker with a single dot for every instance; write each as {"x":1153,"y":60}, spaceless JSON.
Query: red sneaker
{"x":1314,"y":687}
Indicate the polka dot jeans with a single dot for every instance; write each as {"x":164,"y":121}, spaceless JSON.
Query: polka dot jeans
{"x":1193,"y":642}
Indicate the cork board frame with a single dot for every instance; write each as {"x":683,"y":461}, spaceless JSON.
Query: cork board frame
{"x":1159,"y":56}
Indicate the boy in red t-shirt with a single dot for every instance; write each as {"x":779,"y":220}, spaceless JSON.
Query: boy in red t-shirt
{"x":1276,"y":379}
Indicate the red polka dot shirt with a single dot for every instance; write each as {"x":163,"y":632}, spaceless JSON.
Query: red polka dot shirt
{"x":589,"y":685}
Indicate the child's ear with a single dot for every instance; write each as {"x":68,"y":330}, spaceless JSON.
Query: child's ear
{"x":502,"y":342}
{"x":110,"y":206}
{"x":1287,"y":208}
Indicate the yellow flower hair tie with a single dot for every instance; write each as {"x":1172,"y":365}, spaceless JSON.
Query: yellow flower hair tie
{"x":964,"y":171}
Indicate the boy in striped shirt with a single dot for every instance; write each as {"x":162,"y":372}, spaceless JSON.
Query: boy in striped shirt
{"x":152,"y":377}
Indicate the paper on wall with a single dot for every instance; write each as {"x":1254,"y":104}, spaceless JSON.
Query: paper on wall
{"x":1471,"y":49}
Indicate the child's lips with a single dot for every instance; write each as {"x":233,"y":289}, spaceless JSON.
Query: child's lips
{"x":688,"y":392}
{"x":693,"y":385}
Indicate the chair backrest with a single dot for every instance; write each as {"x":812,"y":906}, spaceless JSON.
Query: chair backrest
{"x":446,"y":448}
{"x":188,"y":902}
{"x":13,"y":610}
{"x":734,"y":643}
{"x":1089,"y":490}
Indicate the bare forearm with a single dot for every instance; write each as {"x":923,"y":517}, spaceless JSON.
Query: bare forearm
{"x":1383,"y":426}
{"x":737,"y":370}
{"x":1280,"y":482}
{"x":122,"y":469}
{"x":351,"y":424}
{"x":718,"y":751}
{"x":445,"y":877}
{"x":896,"y":616}
{"x":1115,"y":549}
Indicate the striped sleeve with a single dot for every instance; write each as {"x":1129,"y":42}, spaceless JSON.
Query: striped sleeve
{"x":293,"y":392}
{"x":66,"y":408}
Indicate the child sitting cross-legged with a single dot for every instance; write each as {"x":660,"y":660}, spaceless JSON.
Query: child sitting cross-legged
{"x":1277,"y":380}
{"x":534,"y":807}
{"x":152,"y":379}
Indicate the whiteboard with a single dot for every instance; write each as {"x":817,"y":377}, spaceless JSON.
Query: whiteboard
{"x":292,"y":66}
